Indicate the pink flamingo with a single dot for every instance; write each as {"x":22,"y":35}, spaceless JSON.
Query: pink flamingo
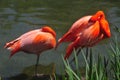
{"x":86,"y":32}
{"x":33,"y":42}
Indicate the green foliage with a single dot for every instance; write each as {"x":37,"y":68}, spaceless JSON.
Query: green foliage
{"x":101,"y":69}
{"x":115,"y":61}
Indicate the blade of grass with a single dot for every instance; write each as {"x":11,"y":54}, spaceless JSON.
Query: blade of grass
{"x":77,"y":65}
{"x":91,"y":66}
{"x":71,"y":74}
{"x":86,"y":65}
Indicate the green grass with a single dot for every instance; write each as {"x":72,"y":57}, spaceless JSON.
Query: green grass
{"x":115,"y":61}
{"x":101,"y":69}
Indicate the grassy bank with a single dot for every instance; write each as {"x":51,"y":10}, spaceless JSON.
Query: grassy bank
{"x":101,"y":69}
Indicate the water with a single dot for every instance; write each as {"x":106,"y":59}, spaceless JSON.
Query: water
{"x":18,"y":17}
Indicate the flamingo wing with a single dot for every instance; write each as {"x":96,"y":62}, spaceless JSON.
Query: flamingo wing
{"x":34,"y":41}
{"x":38,"y":43}
{"x":21,"y":37}
{"x":76,"y":28}
{"x":90,"y":35}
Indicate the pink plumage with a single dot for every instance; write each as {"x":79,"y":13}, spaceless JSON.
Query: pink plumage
{"x":86,"y":32}
{"x":33,"y":42}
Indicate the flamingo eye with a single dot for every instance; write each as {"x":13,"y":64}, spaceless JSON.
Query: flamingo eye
{"x":100,"y":17}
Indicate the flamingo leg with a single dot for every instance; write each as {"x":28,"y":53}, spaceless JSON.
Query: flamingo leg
{"x":79,"y":50}
{"x":36,"y":65}
{"x":71,"y":47}
{"x":87,"y":52}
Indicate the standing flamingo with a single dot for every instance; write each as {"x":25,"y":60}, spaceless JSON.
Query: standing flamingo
{"x":33,"y":42}
{"x":86,"y":32}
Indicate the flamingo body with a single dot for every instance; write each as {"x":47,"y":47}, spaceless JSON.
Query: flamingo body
{"x":77,"y":27}
{"x":35,"y":41}
{"x":85,"y":39}
{"x":86,"y":32}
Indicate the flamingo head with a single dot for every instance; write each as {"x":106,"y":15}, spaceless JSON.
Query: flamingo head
{"x":49,"y":30}
{"x":97,"y":16}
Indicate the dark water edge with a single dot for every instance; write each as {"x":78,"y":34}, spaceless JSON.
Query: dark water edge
{"x":44,"y":72}
{"x":25,"y":77}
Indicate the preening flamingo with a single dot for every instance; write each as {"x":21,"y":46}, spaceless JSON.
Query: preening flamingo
{"x":33,"y":42}
{"x":86,"y":32}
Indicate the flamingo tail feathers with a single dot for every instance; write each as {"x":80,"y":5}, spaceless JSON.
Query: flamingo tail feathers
{"x":13,"y":46}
